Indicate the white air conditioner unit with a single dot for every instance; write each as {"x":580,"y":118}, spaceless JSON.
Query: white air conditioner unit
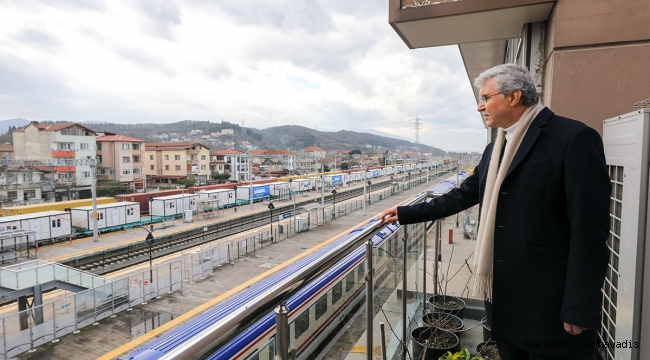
{"x":626,"y":291}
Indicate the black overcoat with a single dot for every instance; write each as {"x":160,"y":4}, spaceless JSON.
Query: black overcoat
{"x":550,"y":241}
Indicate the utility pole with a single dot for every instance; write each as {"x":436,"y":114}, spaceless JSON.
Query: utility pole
{"x":322,"y":183}
{"x":250,"y":177}
{"x":93,"y":191}
{"x":364,"y":188}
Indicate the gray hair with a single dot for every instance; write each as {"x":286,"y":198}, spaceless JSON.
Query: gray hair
{"x":508,"y":78}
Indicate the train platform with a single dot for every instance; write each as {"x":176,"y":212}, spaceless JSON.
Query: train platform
{"x":117,"y":336}
{"x":86,"y":245}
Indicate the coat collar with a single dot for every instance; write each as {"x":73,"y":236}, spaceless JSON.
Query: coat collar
{"x":529,"y":139}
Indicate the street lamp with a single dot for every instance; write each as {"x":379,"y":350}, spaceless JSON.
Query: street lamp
{"x":369,"y":191}
{"x":334,"y":210}
{"x":150,"y":240}
{"x":271,"y":207}
{"x":150,"y":209}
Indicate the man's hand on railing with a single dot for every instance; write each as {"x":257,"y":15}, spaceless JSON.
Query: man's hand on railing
{"x":388,"y":216}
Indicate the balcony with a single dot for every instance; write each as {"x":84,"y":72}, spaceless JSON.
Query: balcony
{"x":63,"y":154}
{"x":480,"y":28}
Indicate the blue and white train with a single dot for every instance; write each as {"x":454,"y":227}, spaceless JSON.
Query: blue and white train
{"x":314,"y":312}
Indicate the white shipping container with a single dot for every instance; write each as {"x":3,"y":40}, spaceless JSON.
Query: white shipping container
{"x":108,"y":215}
{"x":226,"y":196}
{"x":260,"y":192}
{"x":46,"y":225}
{"x":301,"y":185}
{"x":278,"y":188}
{"x":174,"y":205}
{"x":315,"y":183}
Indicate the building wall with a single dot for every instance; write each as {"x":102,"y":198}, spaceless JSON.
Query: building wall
{"x":597,"y":54}
{"x":83,"y":175}
{"x":38,"y":146}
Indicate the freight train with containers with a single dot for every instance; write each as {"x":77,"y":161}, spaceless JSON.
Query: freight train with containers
{"x":48,"y":223}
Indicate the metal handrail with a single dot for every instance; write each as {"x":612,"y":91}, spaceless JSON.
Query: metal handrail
{"x":219,"y":333}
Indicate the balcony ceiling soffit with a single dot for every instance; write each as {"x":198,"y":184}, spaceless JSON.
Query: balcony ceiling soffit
{"x":466,"y":21}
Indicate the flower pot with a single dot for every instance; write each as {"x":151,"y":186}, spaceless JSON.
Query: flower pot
{"x":487,"y":331}
{"x":431,"y":343}
{"x":444,"y":321}
{"x":448,"y":304}
{"x":486,"y":351}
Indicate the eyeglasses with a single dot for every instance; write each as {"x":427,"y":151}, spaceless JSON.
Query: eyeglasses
{"x":484,"y":98}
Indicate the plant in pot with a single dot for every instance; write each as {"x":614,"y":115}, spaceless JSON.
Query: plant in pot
{"x":444,"y":321}
{"x":431,"y":343}
{"x":448,"y":304}
{"x":488,"y":350}
{"x":462,"y":354}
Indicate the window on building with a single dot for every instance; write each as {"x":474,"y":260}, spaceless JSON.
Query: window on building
{"x":136,"y":146}
{"x":62,"y":175}
{"x":12,"y":195}
{"x":177,"y":157}
{"x":220,"y":167}
{"x":126,"y":159}
{"x":29,"y":194}
{"x":99,"y":158}
{"x":100,"y":216}
{"x":136,"y":159}
{"x":85,"y":174}
{"x":166,"y":157}
{"x":203,"y":167}
{"x":65,"y":146}
{"x":84,"y":146}
{"x":202,"y":157}
{"x":152,"y":167}
{"x":27,"y":178}
{"x":129,"y":211}
{"x":99,"y":146}
{"x":126,"y":171}
{"x":56,"y":223}
{"x":159,"y":171}
{"x":166,"y":167}
{"x":178,"y":168}
{"x":159,"y":161}
{"x":137,"y":170}
{"x":126,"y":146}
{"x":150,"y":157}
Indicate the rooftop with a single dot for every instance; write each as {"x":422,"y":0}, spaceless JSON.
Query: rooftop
{"x":116,"y":138}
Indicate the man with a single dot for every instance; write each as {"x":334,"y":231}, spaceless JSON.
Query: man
{"x":541,"y":252}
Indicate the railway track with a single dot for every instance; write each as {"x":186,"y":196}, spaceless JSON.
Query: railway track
{"x":125,"y":256}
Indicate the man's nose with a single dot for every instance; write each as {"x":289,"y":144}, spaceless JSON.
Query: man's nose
{"x":480,"y":107}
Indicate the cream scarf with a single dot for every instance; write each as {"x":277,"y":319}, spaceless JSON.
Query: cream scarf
{"x":484,"y":253}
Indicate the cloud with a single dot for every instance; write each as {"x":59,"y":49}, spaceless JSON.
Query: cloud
{"x":334,"y":64}
{"x":160,"y":17}
{"x":37,"y":38}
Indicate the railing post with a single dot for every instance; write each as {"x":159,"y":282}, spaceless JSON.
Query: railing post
{"x":370,"y":287}
{"x":436,"y":254}
{"x":282,"y":332}
{"x":404,"y":294}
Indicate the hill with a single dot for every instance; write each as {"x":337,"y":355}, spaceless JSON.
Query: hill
{"x":279,"y":137}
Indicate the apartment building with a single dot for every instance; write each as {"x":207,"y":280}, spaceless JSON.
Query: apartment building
{"x":232,"y":161}
{"x":25,"y":185}
{"x":120,"y":158}
{"x":59,"y":141}
{"x":165,"y":163}
{"x":7,"y":151}
{"x":274,"y":159}
{"x":316,"y":151}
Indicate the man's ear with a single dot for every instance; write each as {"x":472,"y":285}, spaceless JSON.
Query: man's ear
{"x":515,"y":97}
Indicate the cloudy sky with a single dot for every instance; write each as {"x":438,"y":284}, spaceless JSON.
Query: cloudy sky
{"x":331,"y":64}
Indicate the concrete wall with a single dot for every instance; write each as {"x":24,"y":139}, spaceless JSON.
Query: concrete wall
{"x":597,"y":56}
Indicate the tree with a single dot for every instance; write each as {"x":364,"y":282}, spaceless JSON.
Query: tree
{"x":112,"y":189}
{"x":355,"y":152}
{"x":345,"y":166}
{"x":220,"y":177}
{"x":188,"y":181}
